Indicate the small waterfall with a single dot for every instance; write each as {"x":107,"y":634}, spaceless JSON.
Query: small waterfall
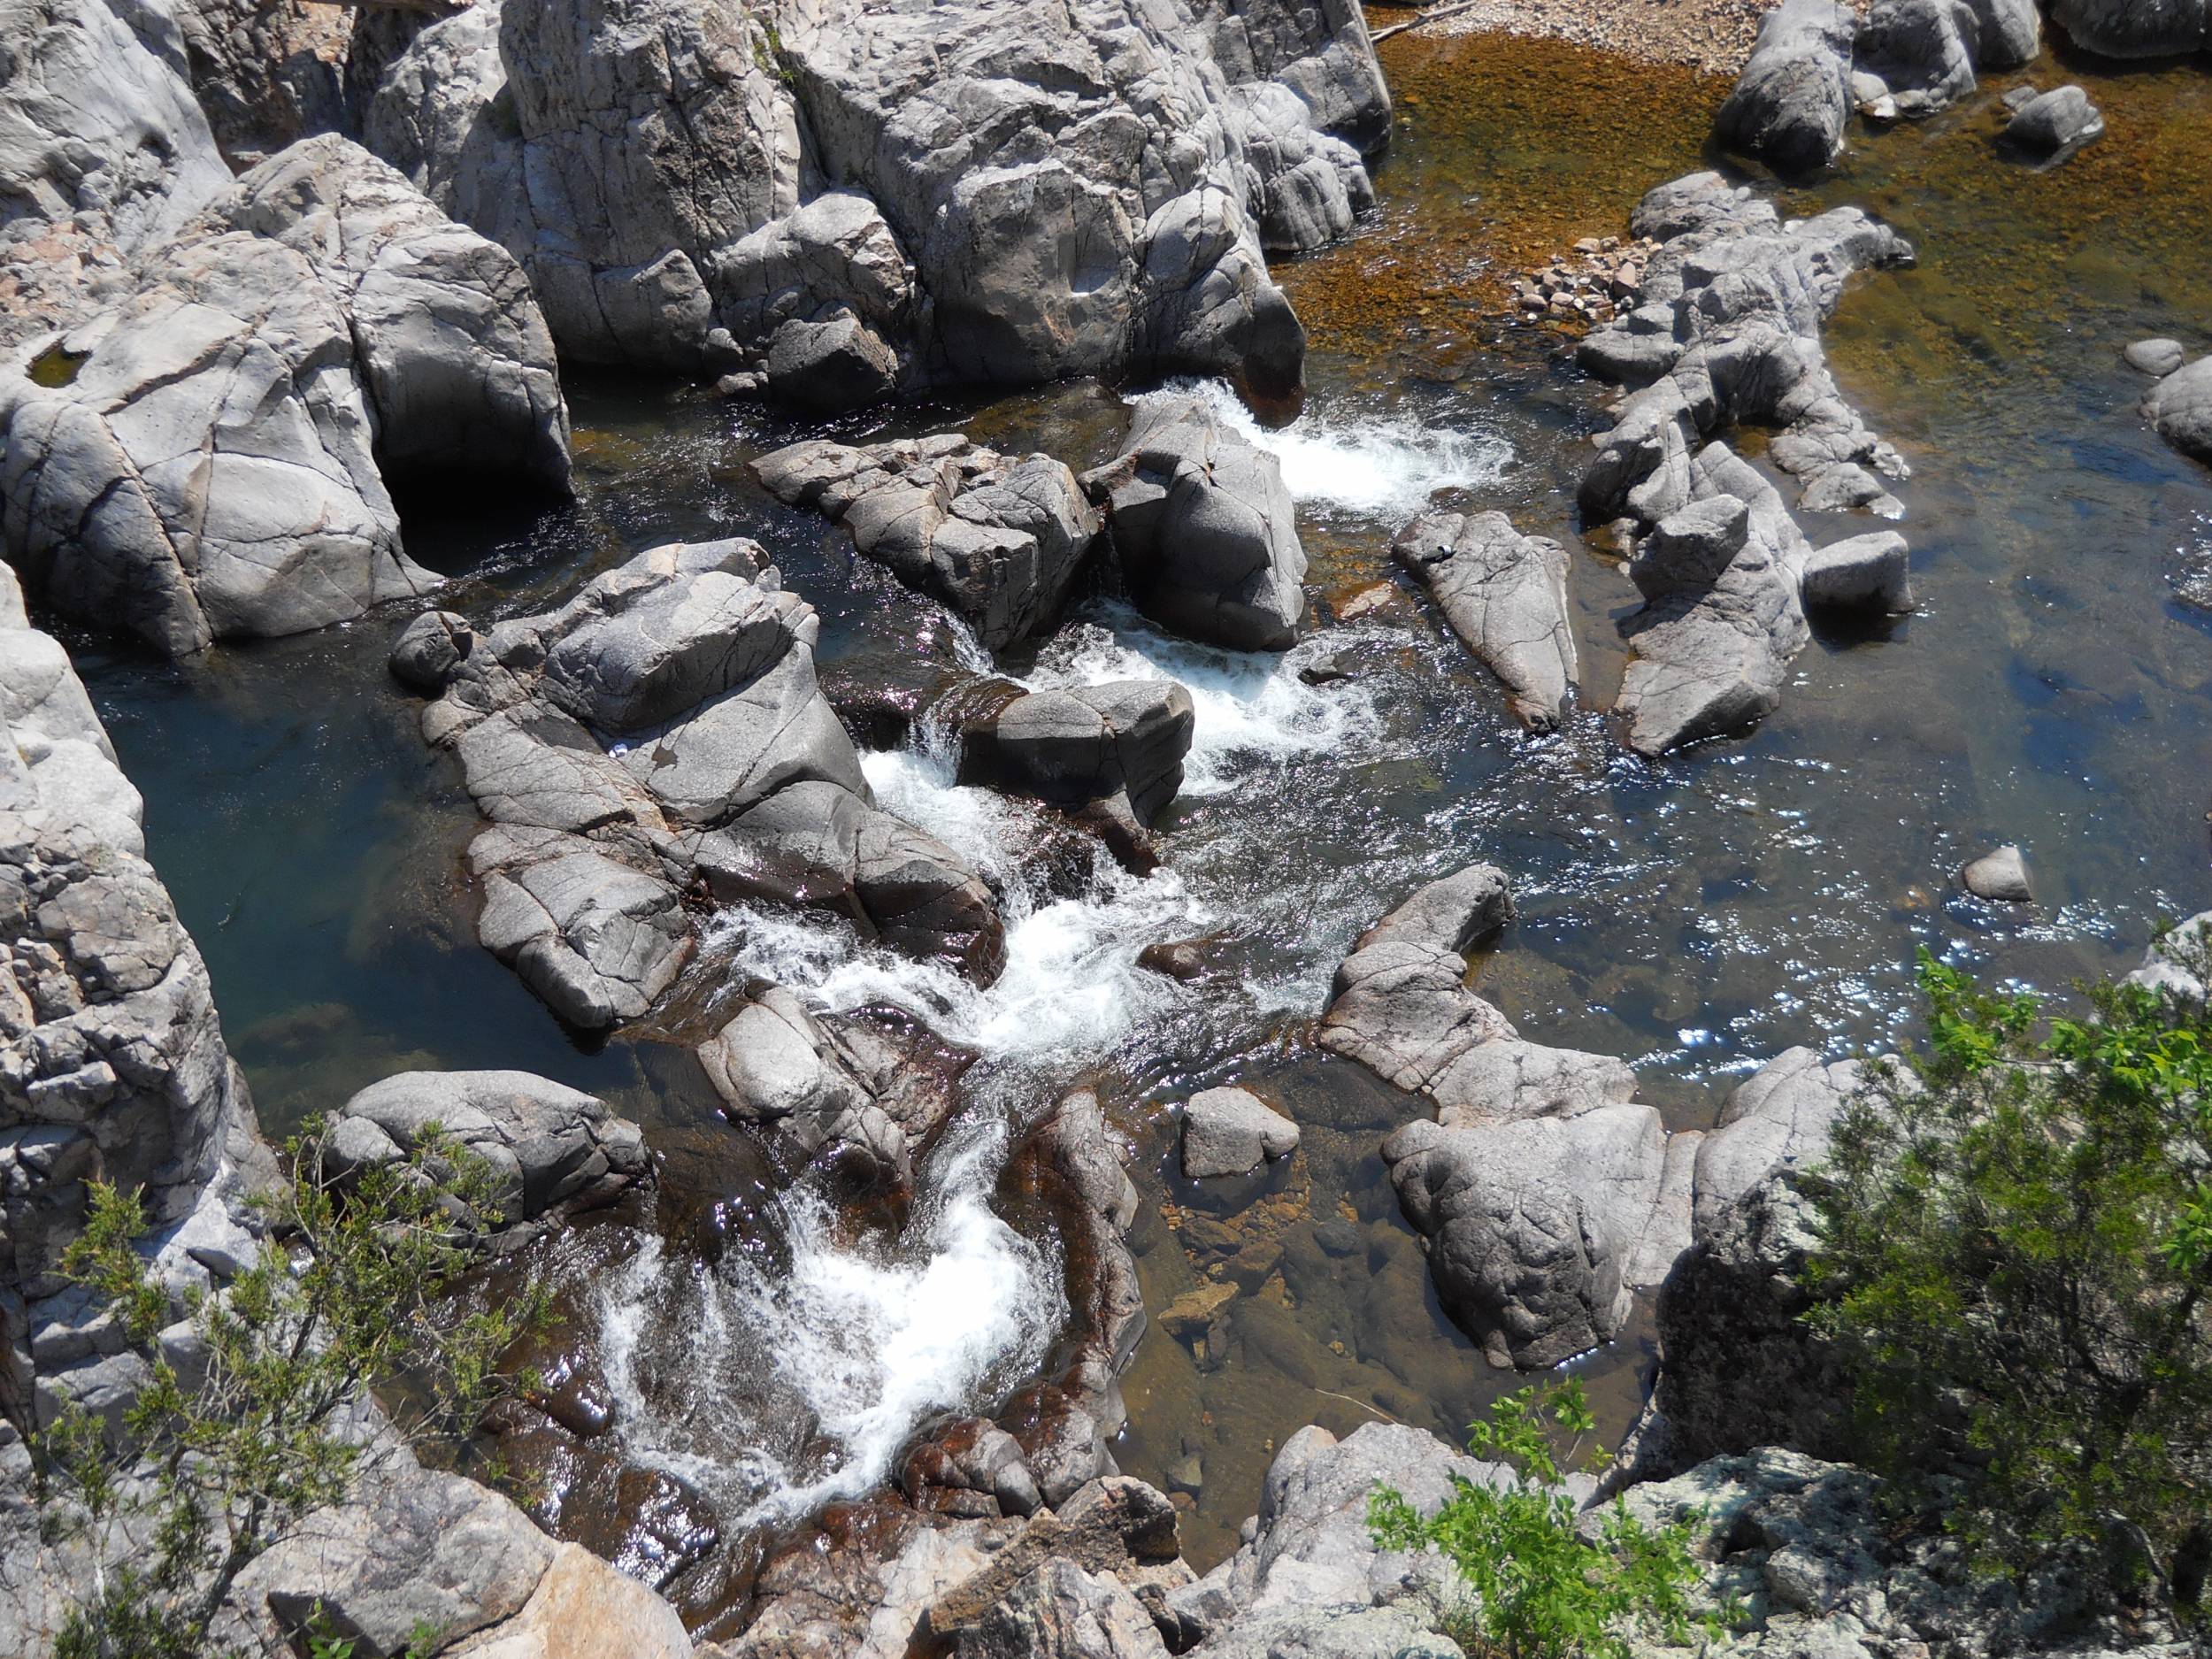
{"x":792,"y":1373}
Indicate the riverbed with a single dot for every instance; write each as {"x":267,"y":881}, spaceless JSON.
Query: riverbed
{"x":1695,"y":916}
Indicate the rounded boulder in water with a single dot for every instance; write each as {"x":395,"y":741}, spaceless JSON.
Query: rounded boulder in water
{"x":2156,"y":357}
{"x":2001,"y":876}
{"x":1232,"y":1131}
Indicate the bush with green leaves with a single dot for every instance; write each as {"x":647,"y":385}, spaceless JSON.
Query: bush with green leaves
{"x":1534,"y":1585}
{"x":2015,"y":1264}
{"x":249,"y":1423}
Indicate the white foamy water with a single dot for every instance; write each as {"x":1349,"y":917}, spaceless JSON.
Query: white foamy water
{"x":780,"y":1387}
{"x":1382,"y":467}
{"x":1249,"y":708}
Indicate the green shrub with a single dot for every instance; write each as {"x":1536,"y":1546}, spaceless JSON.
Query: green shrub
{"x":348,"y":1296}
{"x":1535,"y":1585}
{"x":2016,"y":1250}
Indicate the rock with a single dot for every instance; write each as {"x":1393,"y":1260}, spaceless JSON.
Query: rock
{"x":829,"y":367}
{"x":858,"y":1589}
{"x":1231,"y":1132}
{"x":205,"y":470}
{"x":2124,"y":28}
{"x":2155,"y":357}
{"x":454,"y":356}
{"x":972,"y":1468}
{"x":1923,"y":51}
{"x":429,"y":648}
{"x":998,"y":541}
{"x":1059,"y":1611}
{"x":663,"y":732}
{"x":1310,"y":1632}
{"x":2177,"y":964}
{"x":553,"y":1150}
{"x":2051,"y":128}
{"x":2180,"y":407}
{"x":1739,"y":1365}
{"x":1863,"y":573}
{"x":269,"y":74}
{"x":1789,"y":105}
{"x":827,"y":1083}
{"x":1535,"y":1223}
{"x":1723,"y":623}
{"x":106,"y":152}
{"x":1778,"y":1123}
{"x":1204,"y":528}
{"x":1106,"y":1528}
{"x":1125,"y":740}
{"x":2002,"y":876}
{"x":1505,"y":595}
{"x":1095,"y":205}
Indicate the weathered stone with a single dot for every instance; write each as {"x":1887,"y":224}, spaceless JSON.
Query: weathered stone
{"x":2001,"y":875}
{"x":2127,"y":28}
{"x":1204,"y":528}
{"x":1505,"y":595}
{"x":429,"y":648}
{"x":1789,"y":105}
{"x":2180,"y":407}
{"x":1232,"y":1131}
{"x":2155,"y":357}
{"x":2053,"y":127}
{"x":1126,"y":738}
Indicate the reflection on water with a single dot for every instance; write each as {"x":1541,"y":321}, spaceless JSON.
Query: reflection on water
{"x":1697,"y":915}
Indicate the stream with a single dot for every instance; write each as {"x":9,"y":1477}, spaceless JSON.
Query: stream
{"x":1695,"y":915}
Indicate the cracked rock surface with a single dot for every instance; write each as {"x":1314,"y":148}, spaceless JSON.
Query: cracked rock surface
{"x":1505,"y":595}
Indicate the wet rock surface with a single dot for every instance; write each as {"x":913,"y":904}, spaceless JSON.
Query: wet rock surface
{"x":1232,"y":1131}
{"x":1204,"y":528}
{"x":662,"y":734}
{"x":2048,"y":127}
{"x":2180,"y":407}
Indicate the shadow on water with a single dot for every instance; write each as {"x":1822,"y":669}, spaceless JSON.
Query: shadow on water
{"x":1696,"y":915}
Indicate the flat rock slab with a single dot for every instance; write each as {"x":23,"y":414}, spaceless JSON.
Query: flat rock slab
{"x":1505,"y":595}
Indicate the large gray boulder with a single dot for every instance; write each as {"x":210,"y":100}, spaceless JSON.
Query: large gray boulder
{"x":455,"y":358}
{"x":1232,"y":1131}
{"x":1505,"y":595}
{"x":2180,"y":407}
{"x":1204,"y":526}
{"x":1790,"y":105}
{"x":1122,"y":744}
{"x":551,"y":1149}
{"x":200,"y":465}
{"x":104,"y":153}
{"x":2051,"y":125}
{"x":662,"y":734}
{"x":2136,"y":28}
{"x":998,"y":541}
{"x":268,"y":72}
{"x":2176,"y":964}
{"x":1013,"y":197}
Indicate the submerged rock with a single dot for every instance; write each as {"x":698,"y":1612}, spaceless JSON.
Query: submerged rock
{"x":1232,"y":1131}
{"x":2001,"y":875}
{"x":2155,"y":357}
{"x":1204,"y":528}
{"x":1505,"y":595}
{"x":661,"y":735}
{"x":998,"y":541}
{"x":2049,"y":128}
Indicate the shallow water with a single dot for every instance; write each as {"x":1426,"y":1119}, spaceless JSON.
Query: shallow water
{"x":1696,"y":915}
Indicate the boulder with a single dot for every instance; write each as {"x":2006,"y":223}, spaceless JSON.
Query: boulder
{"x":1789,"y":105}
{"x":267,"y":74}
{"x":202,"y":467}
{"x":1204,"y":528}
{"x":2157,"y":359}
{"x":1059,"y":1611}
{"x":2180,"y":407}
{"x":2002,"y":876}
{"x":1124,"y":741}
{"x":429,"y":648}
{"x":2049,"y":128}
{"x":662,"y":734}
{"x":999,"y":540}
{"x":1323,"y":1632}
{"x":1505,"y":595}
{"x":1871,"y":572}
{"x":2177,"y":963}
{"x":844,"y":1087}
{"x":105,"y":154}
{"x":1923,"y":51}
{"x":1096,"y":203}
{"x":454,"y":356}
{"x":552,"y":1150}
{"x":1232,"y":1131}
{"x":2130,"y":28}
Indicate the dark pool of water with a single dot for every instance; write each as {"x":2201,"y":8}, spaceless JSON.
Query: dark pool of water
{"x":1697,"y":915}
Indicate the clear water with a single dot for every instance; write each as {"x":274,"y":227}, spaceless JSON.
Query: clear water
{"x":1696,"y":915}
